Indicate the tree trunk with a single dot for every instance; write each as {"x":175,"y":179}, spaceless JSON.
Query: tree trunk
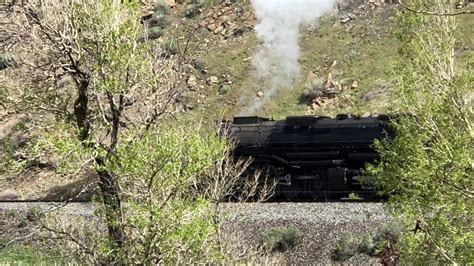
{"x":80,"y":109}
{"x":111,"y":198}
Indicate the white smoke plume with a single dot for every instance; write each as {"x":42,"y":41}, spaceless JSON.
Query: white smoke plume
{"x":279,"y":21}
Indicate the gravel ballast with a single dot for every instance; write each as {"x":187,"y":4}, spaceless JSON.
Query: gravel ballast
{"x":322,"y":224}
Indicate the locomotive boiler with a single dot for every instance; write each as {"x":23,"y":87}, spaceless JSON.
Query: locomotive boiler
{"x":315,"y":157}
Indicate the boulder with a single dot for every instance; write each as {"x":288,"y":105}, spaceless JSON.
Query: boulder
{"x":192,"y":81}
{"x":9,"y":194}
{"x":354,"y":84}
{"x":212,"y":80}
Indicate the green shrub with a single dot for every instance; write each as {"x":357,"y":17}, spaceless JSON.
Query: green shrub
{"x":191,"y":10}
{"x":22,"y":125}
{"x":389,"y":232}
{"x":3,"y":94}
{"x":158,"y":20}
{"x":427,"y":170}
{"x":224,"y":89}
{"x":154,"y":33}
{"x":161,"y":8}
{"x":351,"y":244}
{"x":170,"y":47}
{"x":281,"y":238}
{"x":19,"y":254}
{"x":5,"y":61}
{"x":346,"y":247}
{"x":34,"y":214}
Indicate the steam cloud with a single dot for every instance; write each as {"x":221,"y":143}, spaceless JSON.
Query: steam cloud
{"x":276,"y":59}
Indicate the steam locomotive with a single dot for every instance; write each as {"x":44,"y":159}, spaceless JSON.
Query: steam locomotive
{"x":312,"y":157}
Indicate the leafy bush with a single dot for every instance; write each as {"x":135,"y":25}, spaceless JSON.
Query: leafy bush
{"x":281,"y":238}
{"x":18,"y":254}
{"x":3,"y":94}
{"x":427,"y":170}
{"x":191,"y":10}
{"x":154,"y":33}
{"x":161,"y":8}
{"x":346,"y":247}
{"x":158,"y":20}
{"x":169,"y":47}
{"x":5,"y":61}
{"x":8,"y":150}
{"x":160,"y":15}
{"x":350,"y":244}
{"x":389,"y":232}
{"x":224,"y":89}
{"x":34,"y":214}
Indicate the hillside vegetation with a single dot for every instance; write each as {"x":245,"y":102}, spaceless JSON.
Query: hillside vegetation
{"x":118,"y":102}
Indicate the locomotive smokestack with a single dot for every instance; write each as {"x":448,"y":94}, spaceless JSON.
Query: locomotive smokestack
{"x":276,"y":58}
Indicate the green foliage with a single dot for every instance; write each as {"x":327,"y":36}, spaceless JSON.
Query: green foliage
{"x":170,"y":47}
{"x":59,"y":141}
{"x":112,"y":29}
{"x":224,"y":89}
{"x":22,"y":125}
{"x":161,"y":8}
{"x":9,"y":149}
{"x":12,"y":148}
{"x":428,"y":168}
{"x":192,"y":10}
{"x":354,"y":196}
{"x":25,"y":254}
{"x":154,"y":33}
{"x":3,"y":94}
{"x":159,"y":18}
{"x":34,"y":214}
{"x":147,"y":174}
{"x":370,"y":244}
{"x":172,"y":156}
{"x":169,"y":220}
{"x":346,"y":247}
{"x":5,"y":61}
{"x":281,"y":238}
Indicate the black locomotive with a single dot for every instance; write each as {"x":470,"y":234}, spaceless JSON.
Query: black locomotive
{"x":312,"y":156}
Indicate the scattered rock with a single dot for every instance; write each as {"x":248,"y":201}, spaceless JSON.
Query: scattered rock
{"x":211,"y":27}
{"x":192,"y":81}
{"x":354,"y":84}
{"x":170,"y":3}
{"x":9,"y":194}
{"x":345,"y":19}
{"x":259,"y":94}
{"x":212,"y":80}
{"x":228,"y":19}
{"x":199,"y":65}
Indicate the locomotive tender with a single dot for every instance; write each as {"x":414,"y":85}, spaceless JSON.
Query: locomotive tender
{"x":311,"y":157}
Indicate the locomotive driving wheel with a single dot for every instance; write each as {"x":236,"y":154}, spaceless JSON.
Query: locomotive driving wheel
{"x":291,"y":192}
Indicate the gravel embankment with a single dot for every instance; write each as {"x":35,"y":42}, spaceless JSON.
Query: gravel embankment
{"x":322,"y":224}
{"x":74,"y":208}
